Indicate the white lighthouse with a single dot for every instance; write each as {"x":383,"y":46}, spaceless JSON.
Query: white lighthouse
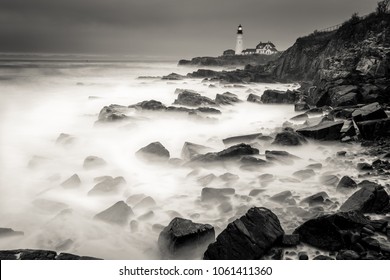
{"x":239,"y":41}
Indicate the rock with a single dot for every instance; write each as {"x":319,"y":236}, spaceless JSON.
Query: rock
{"x":280,"y":157}
{"x":288,"y":137}
{"x":93,"y":162}
{"x":107,"y":186}
{"x":323,"y":258}
{"x":329,"y":180}
{"x":238,"y":150}
{"x":134,"y":224}
{"x":323,"y":131}
{"x":208,"y":110}
{"x":65,"y":139}
{"x":147,"y":216}
{"x":254,"y":98}
{"x":28,"y":254}
{"x":303,"y":256}
{"x":327,"y":232}
{"x":369,"y":112}
{"x":151,"y":105}
{"x":304,"y":174}
{"x":154,"y":151}
{"x":72,"y":182}
{"x":347,"y":255}
{"x":247,"y":238}
{"x":8,"y":232}
{"x":180,"y":90}
{"x":317,"y":199}
{"x":281,"y":197}
{"x":226,"y":98}
{"x":279,"y":97}
{"x":314,"y":166}
{"x":188,"y":98}
{"x":112,"y":113}
{"x":346,"y":183}
{"x":191,"y":150}
{"x":290,"y":240}
{"x":206,"y":180}
{"x":348,"y":99}
{"x":145,"y":203}
{"x":341,"y":153}
{"x":375,"y":128}
{"x":255,"y":192}
{"x":49,"y":205}
{"x":173,"y":76}
{"x":301,"y":106}
{"x":364,"y":166}
{"x":369,"y":199}
{"x":300,"y":117}
{"x":183,"y":238}
{"x":249,"y":161}
{"x":229,"y":177}
{"x":135,"y":198}
{"x":119,"y":214}
{"x":241,"y":139}
{"x":212,"y":194}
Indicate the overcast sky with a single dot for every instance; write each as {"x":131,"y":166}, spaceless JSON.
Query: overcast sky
{"x":175,"y":28}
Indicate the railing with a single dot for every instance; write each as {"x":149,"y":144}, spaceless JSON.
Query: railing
{"x":335,"y":27}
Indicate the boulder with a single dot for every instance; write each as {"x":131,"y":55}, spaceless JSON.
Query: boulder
{"x":329,"y":180}
{"x":348,"y":99}
{"x":72,"y":182}
{"x":190,"y":150}
{"x":374,"y":128}
{"x":364,"y":166}
{"x":346,"y":183}
{"x":173,"y":76}
{"x":327,"y":232}
{"x":108,"y":186}
{"x":193,"y":99}
{"x":183,"y":238}
{"x":151,"y":105}
{"x":300,"y":117}
{"x":237,"y":151}
{"x":214,"y":194}
{"x":145,"y":203}
{"x":226,"y":98}
{"x":369,"y":199}
{"x":112,"y":113}
{"x":92,"y":162}
{"x":119,"y":213}
{"x":279,"y":97}
{"x":323,"y":131}
{"x":304,"y":174}
{"x":282,"y":197}
{"x":254,"y":98}
{"x":301,"y":106}
{"x":65,"y":139}
{"x":369,"y":112}
{"x":288,"y":137}
{"x":8,"y":232}
{"x":242,"y":139}
{"x":154,"y":151}
{"x":247,"y":238}
{"x":290,"y":240}
{"x":317,"y":199}
{"x":280,"y":157}
{"x":29,"y":254}
{"x":206,"y":180}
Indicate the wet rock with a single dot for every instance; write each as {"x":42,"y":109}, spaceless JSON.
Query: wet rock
{"x":369,"y":112}
{"x":241,"y":139}
{"x":254,"y":98}
{"x":72,"y":182}
{"x":248,"y":161}
{"x":151,"y":105}
{"x":214,"y":194}
{"x":226,"y":98}
{"x":154,"y":151}
{"x":108,"y":186}
{"x":290,"y":240}
{"x":233,"y":152}
{"x":93,"y":162}
{"x":280,"y":157}
{"x":173,"y":77}
{"x":147,"y":216}
{"x":65,"y":139}
{"x":145,"y":203}
{"x":304,"y":174}
{"x":363,"y":166}
{"x":347,"y":255}
{"x":191,"y":150}
{"x":183,"y":238}
{"x":28,"y":254}
{"x":317,"y":199}
{"x":255,"y":192}
{"x":322,"y":258}
{"x":180,"y":90}
{"x":323,"y":131}
{"x":187,"y":98}
{"x":348,"y":129}
{"x":279,"y":97}
{"x":229,"y":177}
{"x":206,"y":180}
{"x":135,"y":198}
{"x":301,"y":106}
{"x":327,"y":232}
{"x":281,"y":197}
{"x":329,"y":180}
{"x":369,"y":199}
{"x":8,"y":232}
{"x":112,"y":113}
{"x":225,"y":207}
{"x":119,"y":214}
{"x":300,"y":117}
{"x":208,"y":110}
{"x":316,"y":166}
{"x":374,"y":128}
{"x":303,"y":256}
{"x":341,"y":153}
{"x":247,"y":238}
{"x":288,"y":137}
{"x":381,"y":164}
{"x":346,"y":183}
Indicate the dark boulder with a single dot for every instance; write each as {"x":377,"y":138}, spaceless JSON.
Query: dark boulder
{"x":347,"y":255}
{"x":247,"y":238}
{"x":193,"y":99}
{"x":279,"y":97}
{"x":369,"y":112}
{"x":119,"y":213}
{"x":323,"y":131}
{"x":288,"y":137}
{"x":327,"y":232}
{"x":151,"y":105}
{"x":254,"y":98}
{"x":346,"y":183}
{"x":290,"y":240}
{"x":226,"y":98}
{"x":364,"y":166}
{"x":238,"y":150}
{"x":183,"y":238}
{"x":72,"y":182}
{"x":369,"y":199}
{"x":301,"y":106}
{"x":208,"y":110}
{"x":317,"y":199}
{"x":241,"y":138}
{"x":374,"y":128}
{"x":173,"y":76}
{"x":112,"y":113}
{"x":154,"y":151}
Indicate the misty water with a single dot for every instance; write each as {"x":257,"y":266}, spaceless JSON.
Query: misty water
{"x":41,"y":100}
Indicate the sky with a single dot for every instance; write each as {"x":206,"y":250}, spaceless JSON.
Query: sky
{"x":163,"y":28}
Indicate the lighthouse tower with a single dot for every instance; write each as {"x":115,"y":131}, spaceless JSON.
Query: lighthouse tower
{"x":239,"y":41}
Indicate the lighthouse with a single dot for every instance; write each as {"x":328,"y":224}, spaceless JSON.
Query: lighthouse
{"x":239,"y":41}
